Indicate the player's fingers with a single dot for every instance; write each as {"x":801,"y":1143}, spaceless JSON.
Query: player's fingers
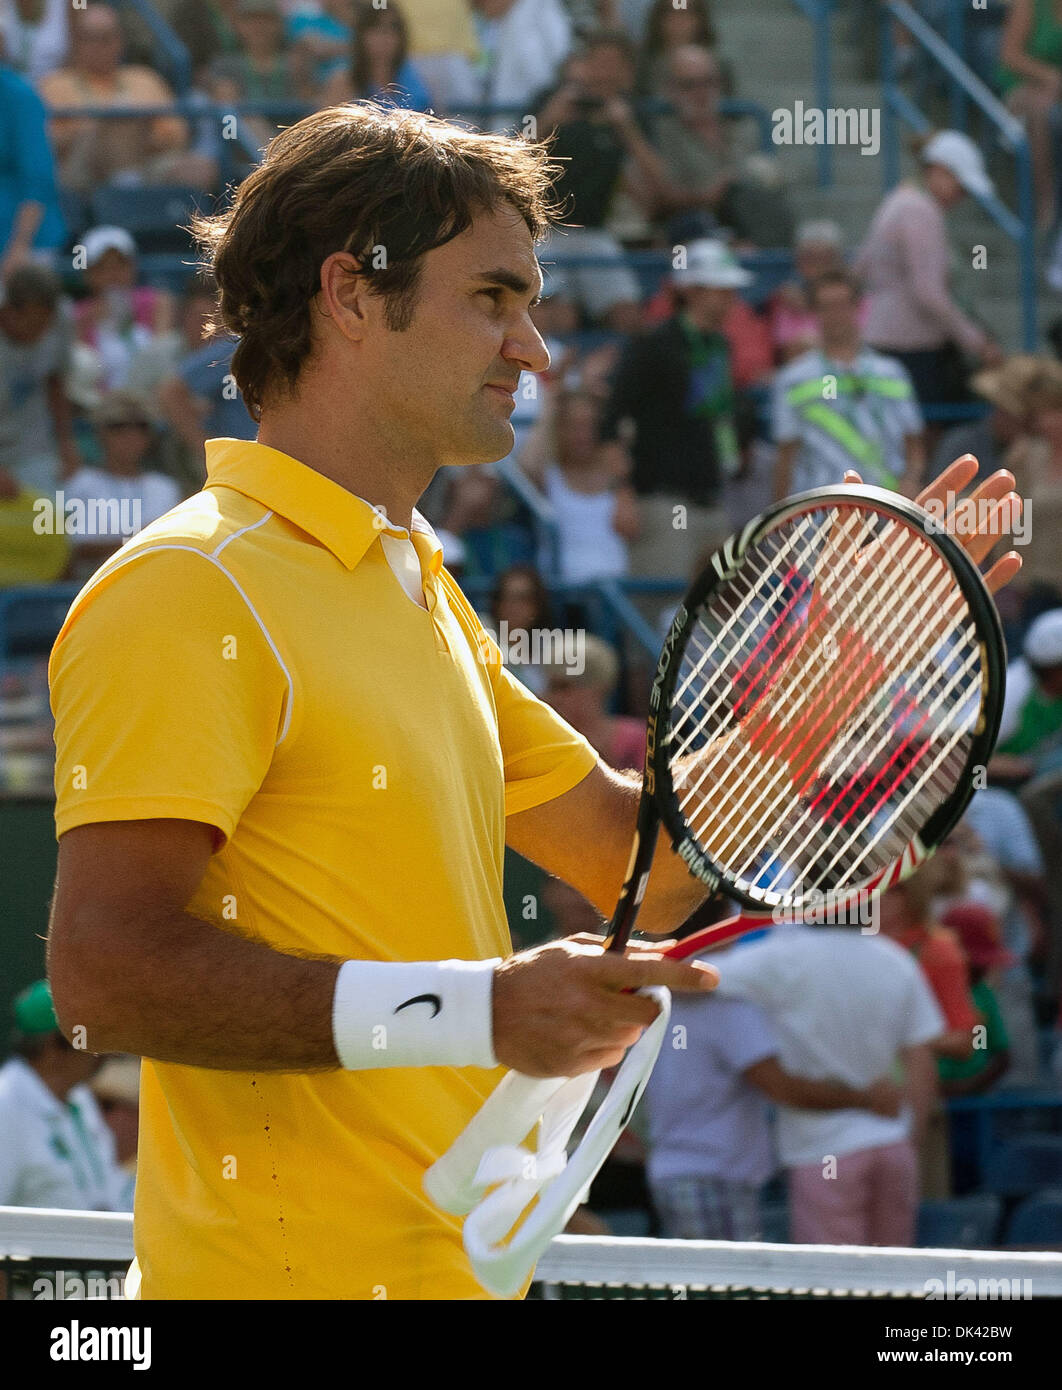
{"x":1001,"y":516}
{"x":644,"y":947}
{"x":600,"y":1060}
{"x":1003,"y":571}
{"x":954,"y":478}
{"x":637,"y":946}
{"x":634,"y":972}
{"x":995,"y":486}
{"x":598,"y":1039}
{"x":611,"y":1008}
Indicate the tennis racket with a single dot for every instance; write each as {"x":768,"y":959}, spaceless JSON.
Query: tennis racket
{"x":826,"y":691}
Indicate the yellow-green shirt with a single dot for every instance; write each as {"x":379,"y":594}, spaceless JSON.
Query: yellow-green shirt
{"x":251,"y":661}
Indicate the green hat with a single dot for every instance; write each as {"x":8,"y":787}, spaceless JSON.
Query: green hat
{"x":34,"y":1011}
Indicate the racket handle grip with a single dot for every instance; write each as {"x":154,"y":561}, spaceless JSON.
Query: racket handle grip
{"x":506,"y":1117}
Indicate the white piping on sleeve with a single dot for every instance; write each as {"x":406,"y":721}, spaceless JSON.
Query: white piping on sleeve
{"x":212,"y":557}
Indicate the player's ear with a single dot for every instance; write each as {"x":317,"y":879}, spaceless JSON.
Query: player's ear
{"x":343,"y":296}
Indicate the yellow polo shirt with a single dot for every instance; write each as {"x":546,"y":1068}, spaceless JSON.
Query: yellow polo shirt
{"x":251,"y":661}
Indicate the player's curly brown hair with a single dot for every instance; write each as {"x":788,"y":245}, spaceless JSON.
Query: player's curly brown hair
{"x":385,"y":184}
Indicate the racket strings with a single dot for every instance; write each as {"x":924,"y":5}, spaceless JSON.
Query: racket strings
{"x":859,"y":738}
{"x":849,"y":766}
{"x":767,"y":579}
{"x":830,"y":708}
{"x":928,"y":704}
{"x":907,"y":826}
{"x":816,"y":830}
{"x":795,"y":636}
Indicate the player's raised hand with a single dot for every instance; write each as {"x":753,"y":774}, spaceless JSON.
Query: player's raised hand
{"x":994,"y":508}
{"x":564,"y":1008}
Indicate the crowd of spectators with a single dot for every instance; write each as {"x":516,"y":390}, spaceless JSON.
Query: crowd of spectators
{"x":686,"y":391}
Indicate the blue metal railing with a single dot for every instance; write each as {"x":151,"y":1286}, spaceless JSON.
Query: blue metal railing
{"x":1010,"y":131}
{"x":820,"y":13}
{"x":973,"y":34}
{"x":175,"y":59}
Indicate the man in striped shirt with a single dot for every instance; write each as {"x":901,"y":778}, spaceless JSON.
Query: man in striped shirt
{"x":843,"y":406}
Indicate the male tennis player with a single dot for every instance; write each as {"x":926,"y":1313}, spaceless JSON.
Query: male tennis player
{"x":288,"y":762}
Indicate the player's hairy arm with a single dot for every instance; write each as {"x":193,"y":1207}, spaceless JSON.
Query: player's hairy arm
{"x":129,"y":965}
{"x":140,"y":975}
{"x":584,"y":837}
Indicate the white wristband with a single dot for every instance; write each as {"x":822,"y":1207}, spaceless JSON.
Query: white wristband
{"x":419,"y":1014}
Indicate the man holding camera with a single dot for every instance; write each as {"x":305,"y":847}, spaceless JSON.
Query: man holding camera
{"x":604,"y":152}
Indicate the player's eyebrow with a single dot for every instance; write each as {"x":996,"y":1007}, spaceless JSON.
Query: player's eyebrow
{"x":510,"y":280}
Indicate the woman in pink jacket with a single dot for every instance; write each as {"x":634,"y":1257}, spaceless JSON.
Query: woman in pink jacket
{"x":905,"y":265}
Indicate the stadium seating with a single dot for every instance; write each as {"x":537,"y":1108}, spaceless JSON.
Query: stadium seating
{"x":30,"y":619}
{"x":1037,"y":1221}
{"x":963,"y":1223}
{"x":155,"y":216}
{"x":1022,"y":1166}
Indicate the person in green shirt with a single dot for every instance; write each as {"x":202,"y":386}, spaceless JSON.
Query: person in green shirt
{"x":979,"y":934}
{"x":1030,"y":732}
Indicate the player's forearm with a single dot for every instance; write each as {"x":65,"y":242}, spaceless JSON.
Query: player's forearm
{"x":673,"y":893}
{"x":601,"y":812}
{"x":193,"y":994}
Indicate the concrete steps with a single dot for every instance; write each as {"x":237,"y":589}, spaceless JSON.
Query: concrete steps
{"x":770,"y":46}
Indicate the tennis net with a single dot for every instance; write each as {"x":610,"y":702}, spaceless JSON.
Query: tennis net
{"x":594,"y":1267}
{"x":84,"y":1255}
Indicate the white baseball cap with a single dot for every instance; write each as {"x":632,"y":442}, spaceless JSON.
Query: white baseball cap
{"x":712,"y":265}
{"x":100,"y":240}
{"x":958,"y":154}
{"x":1043,"y":641}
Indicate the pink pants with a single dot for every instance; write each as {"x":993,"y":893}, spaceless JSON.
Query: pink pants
{"x":872,"y":1200}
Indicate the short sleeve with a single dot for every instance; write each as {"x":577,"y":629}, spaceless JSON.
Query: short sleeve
{"x":1014,"y":844}
{"x":749,"y":972}
{"x":747,"y":1037}
{"x":909,"y":412}
{"x":169,"y":699}
{"x":12,"y":1127}
{"x":785,"y":425}
{"x":543,"y":756}
{"x":923,"y":1020}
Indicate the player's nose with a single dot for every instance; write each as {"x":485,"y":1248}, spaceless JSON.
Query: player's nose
{"x":529,"y":350}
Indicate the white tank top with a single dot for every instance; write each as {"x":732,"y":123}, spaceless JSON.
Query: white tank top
{"x":589,"y":547}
